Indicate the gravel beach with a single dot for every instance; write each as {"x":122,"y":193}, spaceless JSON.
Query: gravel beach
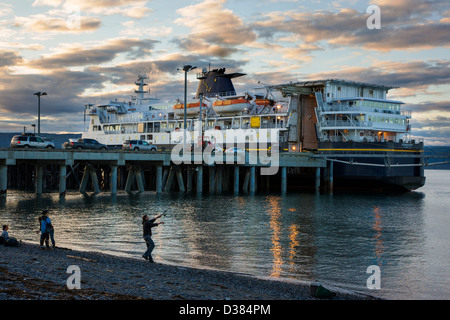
{"x":28,"y":272}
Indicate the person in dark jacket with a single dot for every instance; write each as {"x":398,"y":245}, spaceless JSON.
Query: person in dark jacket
{"x":46,"y":227}
{"x":147,"y":225}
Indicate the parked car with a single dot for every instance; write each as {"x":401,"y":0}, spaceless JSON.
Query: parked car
{"x":84,"y":144}
{"x":31,"y":141}
{"x":138,"y":145}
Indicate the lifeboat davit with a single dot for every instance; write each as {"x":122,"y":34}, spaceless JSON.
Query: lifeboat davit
{"x":232,"y":106}
{"x":192,"y":109}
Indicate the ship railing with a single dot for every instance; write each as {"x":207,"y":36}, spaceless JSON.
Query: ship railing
{"x":407,"y":113}
{"x":353,"y":124}
{"x":367,"y":138}
{"x":360,"y":109}
{"x":220,"y":94}
{"x":345,"y":124}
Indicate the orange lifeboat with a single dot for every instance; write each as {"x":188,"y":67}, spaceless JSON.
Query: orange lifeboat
{"x":192,"y":109}
{"x":264,"y":102}
{"x":232,"y":106}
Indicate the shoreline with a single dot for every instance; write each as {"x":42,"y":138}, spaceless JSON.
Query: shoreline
{"x":28,"y":272}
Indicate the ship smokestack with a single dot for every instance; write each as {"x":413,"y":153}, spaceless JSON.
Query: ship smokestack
{"x":216,"y":82}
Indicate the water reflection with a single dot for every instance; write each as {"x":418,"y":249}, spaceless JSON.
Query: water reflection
{"x":377,"y":227}
{"x":300,"y":236}
{"x":275,"y":228}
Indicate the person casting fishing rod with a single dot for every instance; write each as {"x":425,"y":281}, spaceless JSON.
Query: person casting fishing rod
{"x":147,"y":225}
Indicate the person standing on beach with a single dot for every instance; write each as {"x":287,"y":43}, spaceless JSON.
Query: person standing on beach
{"x":147,"y":225}
{"x":46,"y":230}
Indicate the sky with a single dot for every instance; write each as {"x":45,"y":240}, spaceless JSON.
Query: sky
{"x":83,"y":51}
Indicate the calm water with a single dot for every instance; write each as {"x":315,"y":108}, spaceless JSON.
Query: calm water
{"x":333,"y":239}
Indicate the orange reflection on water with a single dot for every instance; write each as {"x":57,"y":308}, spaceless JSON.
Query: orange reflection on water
{"x":293,"y":243}
{"x":377,"y":227}
{"x":275,"y":226}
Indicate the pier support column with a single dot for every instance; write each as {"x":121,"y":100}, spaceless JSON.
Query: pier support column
{"x":164,"y":177}
{"x":94,"y":178}
{"x":62,"y":179}
{"x":283,"y":180}
{"x":170,"y":176}
{"x":180,"y":180}
{"x":130,"y":180}
{"x":246,"y":181}
{"x":226,"y":178}
{"x":135,"y":174}
{"x":219,"y":174}
{"x":84,"y":180}
{"x":200,"y":179}
{"x":39,"y":178}
{"x":189,"y":176}
{"x":317,"y":183}
{"x":3,"y":179}
{"x":139,"y":180}
{"x":212,"y":171}
{"x":114,"y":179}
{"x":159,"y":179}
{"x":330,"y":177}
{"x":236,"y":180}
{"x":252,"y":179}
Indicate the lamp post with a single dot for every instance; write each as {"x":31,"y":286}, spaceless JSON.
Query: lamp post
{"x":186,"y":69}
{"x":39,"y":94}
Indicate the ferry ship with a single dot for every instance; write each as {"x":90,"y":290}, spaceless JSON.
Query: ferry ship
{"x":353,"y":124}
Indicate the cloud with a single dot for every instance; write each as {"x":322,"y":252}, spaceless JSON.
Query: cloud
{"x":427,"y":106}
{"x":215,"y":30}
{"x":61,"y":21}
{"x":79,"y":55}
{"x":63,"y":87}
{"x":404,"y":25}
{"x":412,"y":75}
{"x":131,"y":8}
{"x":9,"y":58}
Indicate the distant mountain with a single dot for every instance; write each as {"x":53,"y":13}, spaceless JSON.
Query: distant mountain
{"x":59,"y":139}
{"x":438,"y":154}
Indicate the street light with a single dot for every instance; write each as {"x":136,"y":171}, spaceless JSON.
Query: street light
{"x":186,"y":69}
{"x":39,"y":94}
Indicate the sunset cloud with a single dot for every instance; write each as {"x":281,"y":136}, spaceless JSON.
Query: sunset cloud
{"x":215,"y":30}
{"x":79,"y":55}
{"x":82,"y":51}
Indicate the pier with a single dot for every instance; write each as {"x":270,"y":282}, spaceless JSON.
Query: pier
{"x":60,"y":170}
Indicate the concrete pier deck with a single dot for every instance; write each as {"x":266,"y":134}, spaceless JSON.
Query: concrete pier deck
{"x":167,"y":167}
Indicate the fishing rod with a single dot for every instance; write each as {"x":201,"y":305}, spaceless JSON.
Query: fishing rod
{"x":164,"y":213}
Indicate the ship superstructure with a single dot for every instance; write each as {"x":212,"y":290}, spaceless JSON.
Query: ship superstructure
{"x":353,"y":124}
